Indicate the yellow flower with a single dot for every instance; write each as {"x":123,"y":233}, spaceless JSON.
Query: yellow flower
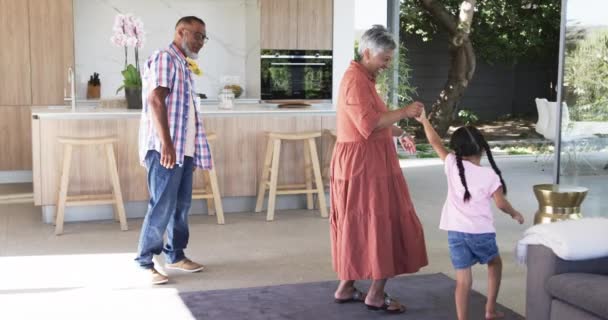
{"x":193,"y":66}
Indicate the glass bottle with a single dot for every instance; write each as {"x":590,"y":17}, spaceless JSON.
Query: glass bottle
{"x":226,"y":97}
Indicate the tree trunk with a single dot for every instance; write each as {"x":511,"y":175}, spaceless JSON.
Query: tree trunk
{"x":462,"y":60}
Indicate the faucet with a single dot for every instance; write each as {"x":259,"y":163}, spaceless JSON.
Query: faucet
{"x":72,"y":96}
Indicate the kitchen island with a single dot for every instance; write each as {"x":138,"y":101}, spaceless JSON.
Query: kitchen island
{"x":238,"y":154}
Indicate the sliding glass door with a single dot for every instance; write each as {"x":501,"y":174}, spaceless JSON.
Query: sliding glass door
{"x":583,"y":146}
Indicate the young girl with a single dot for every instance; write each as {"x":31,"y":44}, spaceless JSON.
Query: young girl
{"x":466,"y":213}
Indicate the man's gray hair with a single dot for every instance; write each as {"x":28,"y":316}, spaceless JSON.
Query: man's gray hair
{"x":377,"y":39}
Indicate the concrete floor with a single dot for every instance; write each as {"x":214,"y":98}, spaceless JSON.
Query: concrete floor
{"x":89,"y":271}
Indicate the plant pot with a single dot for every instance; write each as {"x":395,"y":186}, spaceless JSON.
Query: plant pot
{"x":93,"y":92}
{"x":133,"y":96}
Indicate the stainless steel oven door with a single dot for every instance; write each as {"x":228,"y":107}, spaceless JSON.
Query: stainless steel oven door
{"x":302,"y":76}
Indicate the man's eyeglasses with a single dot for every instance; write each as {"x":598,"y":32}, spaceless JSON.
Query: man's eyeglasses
{"x":199,"y":36}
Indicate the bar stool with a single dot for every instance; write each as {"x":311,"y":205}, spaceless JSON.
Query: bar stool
{"x":211,"y":191}
{"x":327,"y":154}
{"x":271,"y":167}
{"x":114,"y":198}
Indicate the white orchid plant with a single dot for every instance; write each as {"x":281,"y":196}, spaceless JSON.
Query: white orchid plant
{"x":129,"y":32}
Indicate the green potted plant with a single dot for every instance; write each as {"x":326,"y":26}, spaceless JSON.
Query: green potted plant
{"x":128,"y":32}
{"x":132,"y":85}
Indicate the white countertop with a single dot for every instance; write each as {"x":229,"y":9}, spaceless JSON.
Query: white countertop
{"x":87,"y":112}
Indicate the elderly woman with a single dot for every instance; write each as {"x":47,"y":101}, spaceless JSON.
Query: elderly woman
{"x":375,"y":232}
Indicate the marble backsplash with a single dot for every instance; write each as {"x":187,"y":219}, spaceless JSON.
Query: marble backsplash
{"x":233,"y":48}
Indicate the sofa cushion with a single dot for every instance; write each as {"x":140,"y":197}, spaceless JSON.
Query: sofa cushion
{"x":583,"y":290}
{"x":565,"y":311}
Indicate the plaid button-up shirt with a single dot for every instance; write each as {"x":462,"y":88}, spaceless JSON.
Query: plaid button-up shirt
{"x":168,"y":68}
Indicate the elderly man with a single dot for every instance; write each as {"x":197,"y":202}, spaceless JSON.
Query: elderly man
{"x":172,"y":142}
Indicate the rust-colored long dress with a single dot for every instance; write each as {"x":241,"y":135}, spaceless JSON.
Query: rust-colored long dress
{"x":375,"y":232}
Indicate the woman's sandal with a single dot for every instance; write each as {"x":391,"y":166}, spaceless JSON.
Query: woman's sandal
{"x":357,"y":296}
{"x":385,"y":306}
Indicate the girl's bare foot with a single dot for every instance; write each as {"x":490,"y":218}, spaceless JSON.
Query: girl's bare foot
{"x":494,"y":315}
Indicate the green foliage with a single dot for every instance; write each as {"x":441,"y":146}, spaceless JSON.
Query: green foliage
{"x":502,"y":30}
{"x":518,"y":151}
{"x":586,"y":77}
{"x":467,"y":117}
{"x":424,"y":150}
{"x":131,"y":78}
{"x":405,"y":90}
{"x":521,"y":148}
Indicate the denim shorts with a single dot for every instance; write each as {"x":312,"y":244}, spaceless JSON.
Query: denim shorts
{"x":467,"y":249}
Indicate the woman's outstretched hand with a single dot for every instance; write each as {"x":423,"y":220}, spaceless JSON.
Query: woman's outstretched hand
{"x":414,"y":109}
{"x":422,"y":117}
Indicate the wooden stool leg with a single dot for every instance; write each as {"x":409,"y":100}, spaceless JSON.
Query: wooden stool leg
{"x":274,"y":176}
{"x":308,"y":176}
{"x":63,"y":189}
{"x":318,"y":180}
{"x":119,"y":205}
{"x":208,"y":190}
{"x":264,"y":177}
{"x":217,"y":200}
{"x":326,"y":160}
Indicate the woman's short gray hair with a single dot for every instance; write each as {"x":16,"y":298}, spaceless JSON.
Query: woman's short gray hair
{"x":376,"y":39}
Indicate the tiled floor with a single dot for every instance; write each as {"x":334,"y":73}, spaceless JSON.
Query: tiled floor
{"x":89,"y":272}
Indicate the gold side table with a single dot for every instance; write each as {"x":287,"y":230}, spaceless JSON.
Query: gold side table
{"x":558,"y":202}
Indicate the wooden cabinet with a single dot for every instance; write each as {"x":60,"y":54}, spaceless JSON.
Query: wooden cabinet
{"x":278,"y":24}
{"x":52,"y":49}
{"x":37,"y":47}
{"x":296,"y":24}
{"x":315,"y":24}
{"x":15,"y":54}
{"x":238,"y":153}
{"x":15,"y":138}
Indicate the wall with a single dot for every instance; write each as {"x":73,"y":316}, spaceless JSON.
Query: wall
{"x":495,"y":90}
{"x":344,"y":40}
{"x":252,"y":41}
{"x":233,"y":48}
{"x":232,"y":27}
{"x":534,"y":81}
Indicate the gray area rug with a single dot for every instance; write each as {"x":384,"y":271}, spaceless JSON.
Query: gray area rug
{"x":426,"y":296}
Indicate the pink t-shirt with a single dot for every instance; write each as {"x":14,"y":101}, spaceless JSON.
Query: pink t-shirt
{"x":474,"y":216}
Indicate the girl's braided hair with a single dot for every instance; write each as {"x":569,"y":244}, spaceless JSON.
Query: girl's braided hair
{"x":468,"y":141}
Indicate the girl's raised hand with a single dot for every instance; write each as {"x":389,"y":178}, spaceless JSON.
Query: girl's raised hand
{"x":422,"y":117}
{"x":414,"y":109}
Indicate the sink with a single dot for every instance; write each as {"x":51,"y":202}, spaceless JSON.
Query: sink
{"x":86,"y":103}
{"x":83,"y":103}
{"x":79,"y":108}
{"x":58,"y":107}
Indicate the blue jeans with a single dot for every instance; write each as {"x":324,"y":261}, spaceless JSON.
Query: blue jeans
{"x":467,"y":249}
{"x":170,"y":199}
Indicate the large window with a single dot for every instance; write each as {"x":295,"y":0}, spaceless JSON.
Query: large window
{"x":583,"y":149}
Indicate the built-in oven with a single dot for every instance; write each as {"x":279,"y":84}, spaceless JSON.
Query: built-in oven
{"x":296,"y":75}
